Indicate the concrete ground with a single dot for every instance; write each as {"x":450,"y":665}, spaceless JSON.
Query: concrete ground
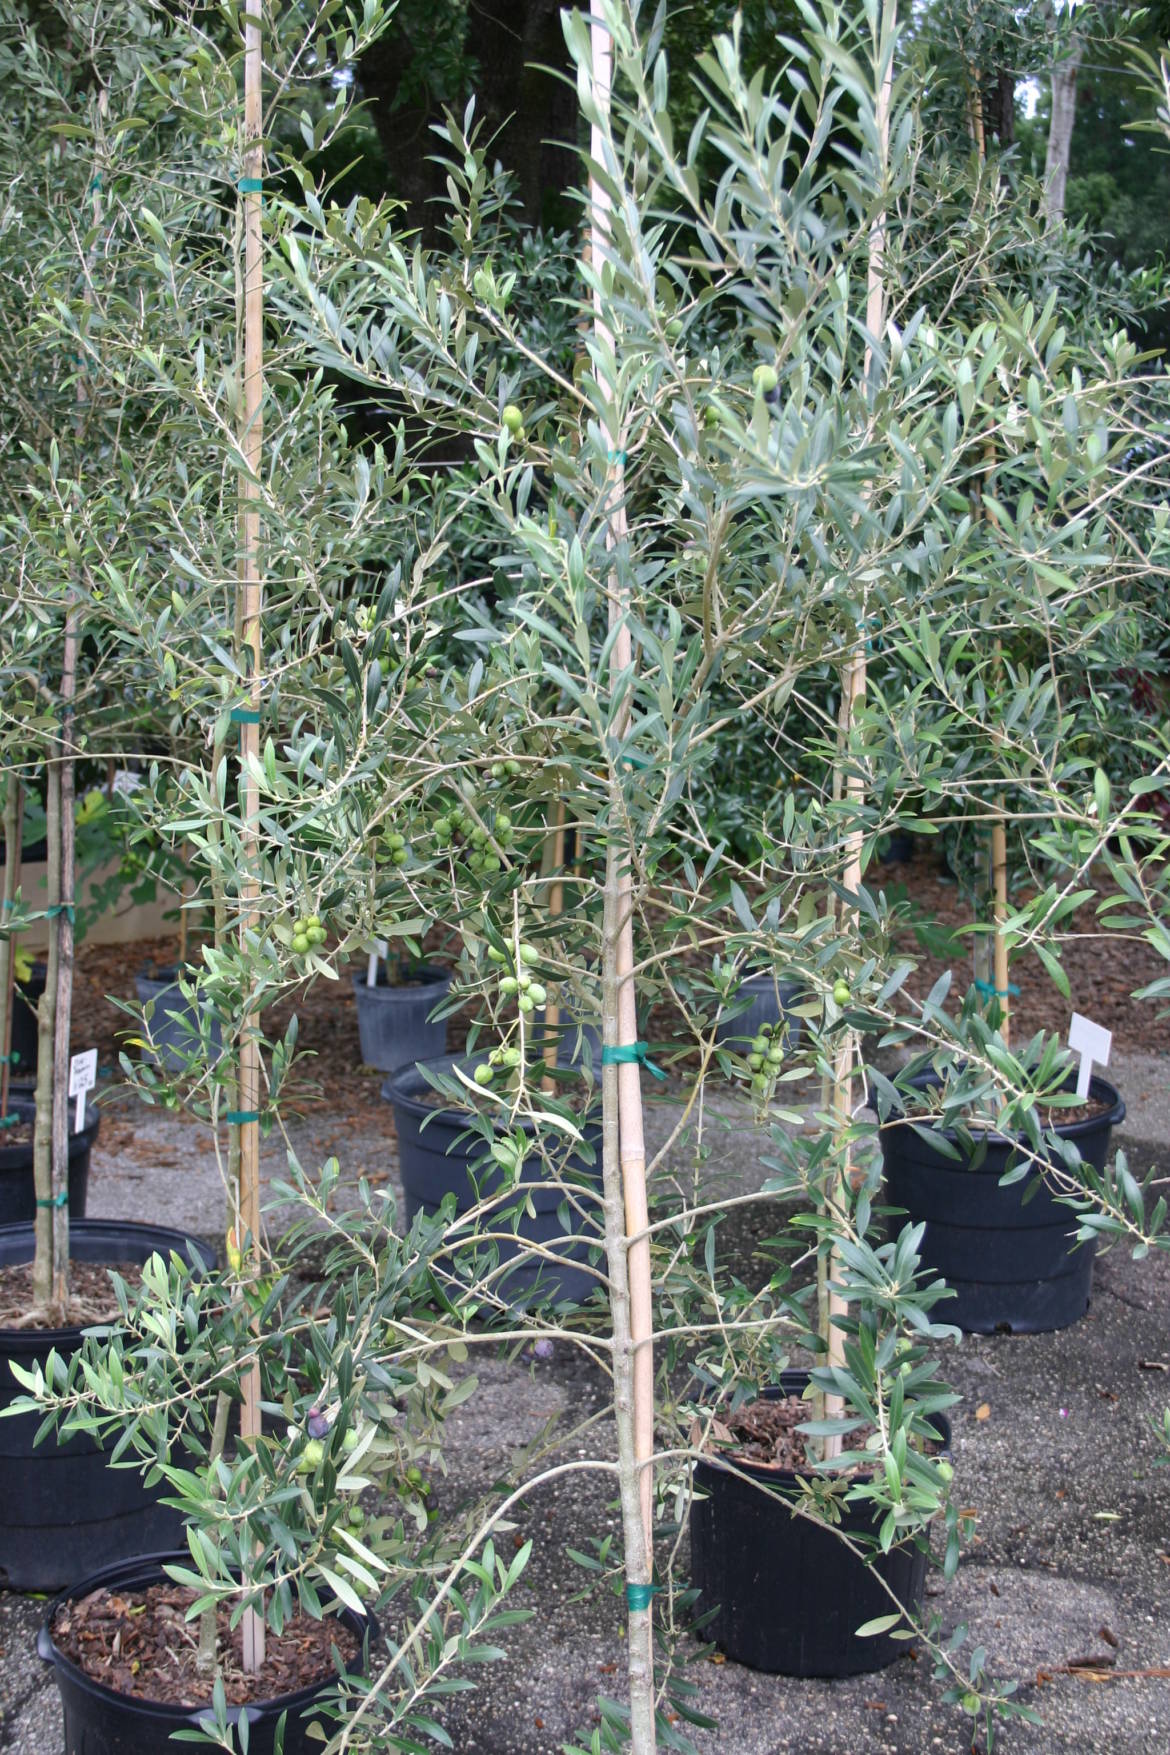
{"x":1071,"y":1559}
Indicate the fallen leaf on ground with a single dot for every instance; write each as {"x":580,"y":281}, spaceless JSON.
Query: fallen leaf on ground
{"x":983,"y":1411}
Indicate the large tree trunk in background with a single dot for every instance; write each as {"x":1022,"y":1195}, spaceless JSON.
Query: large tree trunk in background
{"x":1001,"y":107}
{"x":509,"y":45}
{"x":529,"y":115}
{"x":1064,"y":111}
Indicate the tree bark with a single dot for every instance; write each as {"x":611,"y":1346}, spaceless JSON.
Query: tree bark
{"x":1064,"y":112}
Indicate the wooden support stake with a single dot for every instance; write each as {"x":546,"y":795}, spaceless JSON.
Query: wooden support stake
{"x":250,"y":596}
{"x":853,"y":678}
{"x":555,"y":848}
{"x":629,"y":1261}
{"x":13,"y":829}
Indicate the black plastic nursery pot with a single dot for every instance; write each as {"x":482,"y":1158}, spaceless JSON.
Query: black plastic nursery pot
{"x":771,"y":1000}
{"x":174,"y":1023}
{"x":1009,"y":1254}
{"x":99,"y":1721}
{"x":25,"y":1041}
{"x":394,"y":1022}
{"x":438,"y":1156}
{"x":18,"y":1197}
{"x":789,"y":1594}
{"x":63,"y":1512}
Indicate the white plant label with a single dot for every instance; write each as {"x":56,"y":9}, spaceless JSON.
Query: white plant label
{"x":82,"y":1078}
{"x":1092,"y":1042}
{"x":381,"y":949}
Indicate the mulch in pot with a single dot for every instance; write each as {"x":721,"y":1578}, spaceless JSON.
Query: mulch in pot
{"x":140,"y":1644}
{"x":91,"y":1297}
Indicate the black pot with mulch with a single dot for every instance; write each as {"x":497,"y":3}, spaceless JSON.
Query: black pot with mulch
{"x":1009,"y":1253}
{"x":552,"y":1245}
{"x":18,"y":1195}
{"x":788,"y":1593}
{"x":394,"y":1020}
{"x":106,"y":1630}
{"x":63,"y":1512}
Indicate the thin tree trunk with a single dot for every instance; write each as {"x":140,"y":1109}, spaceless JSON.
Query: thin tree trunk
{"x":1060,"y":132}
{"x":852,"y":689}
{"x":61,"y":926}
{"x":555,"y":854}
{"x":46,"y":1014}
{"x":13,"y":828}
{"x":251,"y":443}
{"x":624,"y":1150}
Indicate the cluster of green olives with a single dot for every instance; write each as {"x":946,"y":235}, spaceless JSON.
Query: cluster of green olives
{"x":842,"y":993}
{"x":521,"y":986}
{"x":396,"y":849}
{"x":307,"y":934}
{"x":458,"y":821}
{"x":513,"y":421}
{"x":499,"y":1060}
{"x":766,"y":1057}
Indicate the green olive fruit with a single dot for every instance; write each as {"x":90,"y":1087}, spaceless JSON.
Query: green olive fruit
{"x":775,"y":1055}
{"x":399,"y":856}
{"x":755,"y":1061}
{"x":442,"y":825}
{"x":497,"y":770}
{"x":511,"y":1057}
{"x":300,"y":924}
{"x":537,"y":993}
{"x":483,"y":1075}
{"x":310,"y":1457}
{"x":491,"y":862}
{"x":350,"y":1441}
{"x":356,"y":1517}
{"x":511,"y":766}
{"x":479,"y":836}
{"x":509,"y":986}
{"x":674,"y":329}
{"x":841,"y":992}
{"x":710,"y":417}
{"x":525,"y":980}
{"x":529,"y":954}
{"x":475,"y":861}
{"x":946,"y":1471}
{"x":415,"y":1477}
{"x":512,"y":418}
{"x":764,"y":378}
{"x":300,"y":943}
{"x":526,"y":1002}
{"x":503,"y":821}
{"x":316,"y":935}
{"x":391,"y":841}
{"x":760,"y":1085}
{"x":759,"y":1044}
{"x":495,"y":955}
{"x":312,"y":920}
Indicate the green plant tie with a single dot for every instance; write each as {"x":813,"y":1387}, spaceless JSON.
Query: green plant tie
{"x":238,"y":1117}
{"x":251,"y":185}
{"x":59,"y":908}
{"x":640,"y":1596}
{"x":10,"y":1059}
{"x":991,"y":991}
{"x":637,"y":1052}
{"x":634,"y":761}
{"x":617,"y":457}
{"x":56,"y":1200}
{"x":245,"y":716}
{"x":95,"y":182}
{"x":9,"y":1120}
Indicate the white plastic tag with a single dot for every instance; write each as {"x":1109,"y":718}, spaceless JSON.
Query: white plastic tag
{"x":381,"y":949}
{"x":1092,"y":1042}
{"x":82,"y":1078}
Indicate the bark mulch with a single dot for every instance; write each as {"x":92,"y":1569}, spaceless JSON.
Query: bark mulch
{"x":139,"y":1642}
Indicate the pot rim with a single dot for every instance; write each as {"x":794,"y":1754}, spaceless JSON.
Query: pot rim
{"x":794,"y":1379}
{"x":71,"y":1335}
{"x":24,"y":1098}
{"x":51,"y":1653}
{"x":1067,"y":1130}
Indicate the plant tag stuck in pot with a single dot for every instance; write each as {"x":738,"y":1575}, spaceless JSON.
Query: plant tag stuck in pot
{"x":82,"y":1078}
{"x":1092,"y":1042}
{"x":381,"y":949}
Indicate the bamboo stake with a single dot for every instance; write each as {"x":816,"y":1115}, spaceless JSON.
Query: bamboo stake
{"x":46,"y":1015}
{"x":555,"y":849}
{"x":623,"y":1134}
{"x":250,"y":590}
{"x":13,"y":814}
{"x":853,"y":678}
{"x":998,"y":973}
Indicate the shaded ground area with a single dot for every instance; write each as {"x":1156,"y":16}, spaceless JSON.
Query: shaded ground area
{"x":1071,"y":1560}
